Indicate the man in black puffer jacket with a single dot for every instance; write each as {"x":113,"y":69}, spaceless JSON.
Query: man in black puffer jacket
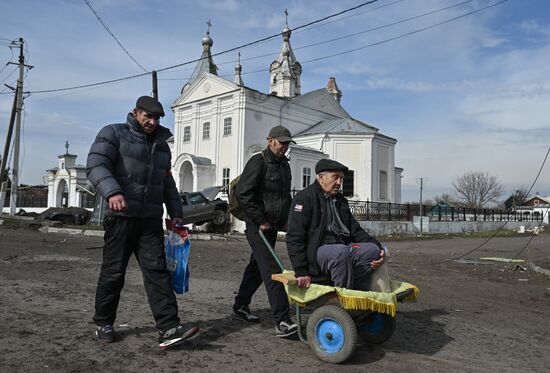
{"x":129,"y":166}
{"x":323,"y":237}
{"x":263,"y":192}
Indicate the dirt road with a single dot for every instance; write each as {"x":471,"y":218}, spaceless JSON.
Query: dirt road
{"x":469,"y":317}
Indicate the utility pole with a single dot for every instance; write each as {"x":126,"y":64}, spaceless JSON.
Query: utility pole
{"x":155,"y":85}
{"x":4,"y":165}
{"x":17,"y":139}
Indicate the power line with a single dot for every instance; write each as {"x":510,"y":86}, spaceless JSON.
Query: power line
{"x":215,"y":54}
{"x":10,"y":74}
{"x":114,"y":37}
{"x":343,"y":37}
{"x":383,"y":26}
{"x":389,"y":39}
{"x":542,"y":218}
{"x":498,"y":230}
{"x":351,"y":15}
{"x":304,"y":62}
{"x":406,"y":34}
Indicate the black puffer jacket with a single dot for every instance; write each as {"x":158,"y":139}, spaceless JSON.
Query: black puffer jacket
{"x":123,"y":160}
{"x":263,"y":190}
{"x":306,"y":227}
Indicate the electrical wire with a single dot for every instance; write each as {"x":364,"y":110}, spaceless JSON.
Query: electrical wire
{"x":7,"y":63}
{"x":383,"y":26}
{"x":498,"y":230}
{"x":349,"y":16}
{"x":114,"y":37}
{"x":542,"y":219}
{"x":386,"y":40}
{"x":213,"y":55}
{"x":406,"y":34}
{"x":340,"y":37}
{"x":10,"y":74}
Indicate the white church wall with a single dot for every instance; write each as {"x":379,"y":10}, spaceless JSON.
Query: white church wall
{"x":349,"y":153}
{"x":314,"y":142}
{"x":300,"y":159}
{"x":355,"y":152}
{"x":257,"y":125}
{"x":383,"y":173}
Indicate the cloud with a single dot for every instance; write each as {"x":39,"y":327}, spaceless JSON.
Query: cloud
{"x":532,"y":27}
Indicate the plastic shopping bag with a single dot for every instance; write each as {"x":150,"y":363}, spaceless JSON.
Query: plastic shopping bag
{"x":177,"y":258}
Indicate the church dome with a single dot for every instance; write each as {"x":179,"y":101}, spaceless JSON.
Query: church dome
{"x":207,"y":40}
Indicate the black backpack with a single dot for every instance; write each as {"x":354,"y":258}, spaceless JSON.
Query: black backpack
{"x":234,"y":208}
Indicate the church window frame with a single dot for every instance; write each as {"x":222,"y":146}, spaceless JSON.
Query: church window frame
{"x":306,"y":176}
{"x":227,"y":124}
{"x":348,"y":184}
{"x":206,"y":130}
{"x":226,"y":176}
{"x":187,"y":134}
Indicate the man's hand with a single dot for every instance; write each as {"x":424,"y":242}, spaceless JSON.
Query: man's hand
{"x":117,"y":203}
{"x":266,"y":227}
{"x":303,"y":281}
{"x":377,"y":263}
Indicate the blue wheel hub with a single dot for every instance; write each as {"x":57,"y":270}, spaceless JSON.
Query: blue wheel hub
{"x":330,"y":335}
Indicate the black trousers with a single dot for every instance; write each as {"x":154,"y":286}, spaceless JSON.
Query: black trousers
{"x":259,"y":269}
{"x":145,"y":239}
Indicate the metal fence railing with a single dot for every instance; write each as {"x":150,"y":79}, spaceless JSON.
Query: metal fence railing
{"x":39,"y":198}
{"x":385,"y":211}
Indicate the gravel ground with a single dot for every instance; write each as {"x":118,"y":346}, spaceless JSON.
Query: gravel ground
{"x":471,"y":316}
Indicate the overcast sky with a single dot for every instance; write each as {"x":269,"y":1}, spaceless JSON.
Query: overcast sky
{"x":472,"y":94}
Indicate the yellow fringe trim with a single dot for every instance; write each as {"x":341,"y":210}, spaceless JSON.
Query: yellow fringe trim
{"x":414,"y":295}
{"x":367,"y":304}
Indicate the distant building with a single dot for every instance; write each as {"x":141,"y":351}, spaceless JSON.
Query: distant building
{"x":536,"y":206}
{"x":220,"y":124}
{"x":67,"y":183}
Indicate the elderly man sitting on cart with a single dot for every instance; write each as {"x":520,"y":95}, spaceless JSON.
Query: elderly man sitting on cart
{"x":323,"y":237}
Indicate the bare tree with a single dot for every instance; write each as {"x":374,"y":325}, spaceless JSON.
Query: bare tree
{"x":477,"y":189}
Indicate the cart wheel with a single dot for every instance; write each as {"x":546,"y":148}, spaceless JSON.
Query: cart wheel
{"x":332,"y":334}
{"x":376,"y":328}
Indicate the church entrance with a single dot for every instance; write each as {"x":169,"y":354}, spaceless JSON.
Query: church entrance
{"x":186,"y":177}
{"x":62,"y":195}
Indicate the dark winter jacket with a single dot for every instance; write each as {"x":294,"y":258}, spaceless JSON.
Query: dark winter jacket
{"x":124,"y":160}
{"x":306,"y":227}
{"x":263,"y":191}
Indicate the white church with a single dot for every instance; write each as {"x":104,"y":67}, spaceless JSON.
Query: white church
{"x":220,"y":124}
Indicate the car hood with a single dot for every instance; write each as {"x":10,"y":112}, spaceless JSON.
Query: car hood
{"x":211,"y":192}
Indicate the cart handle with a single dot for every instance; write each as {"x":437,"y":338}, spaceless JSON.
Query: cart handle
{"x":271,"y":250}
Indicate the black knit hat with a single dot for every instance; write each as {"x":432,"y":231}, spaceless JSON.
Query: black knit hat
{"x":330,"y":166}
{"x":150,"y":105}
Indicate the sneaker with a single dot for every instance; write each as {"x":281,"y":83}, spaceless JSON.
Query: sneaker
{"x":243,"y":313}
{"x":173,"y":337}
{"x":105,"y":333}
{"x":286,"y":328}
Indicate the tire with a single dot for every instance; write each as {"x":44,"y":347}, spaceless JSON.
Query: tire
{"x":376,"y":328}
{"x":332,"y":334}
{"x":219,"y":219}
